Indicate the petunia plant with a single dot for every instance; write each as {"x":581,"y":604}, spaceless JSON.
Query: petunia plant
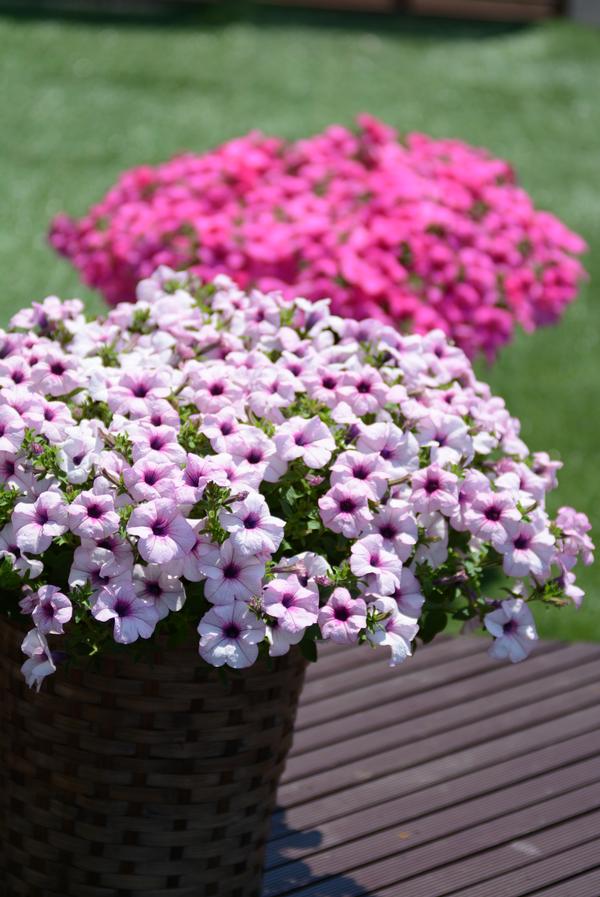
{"x":256,"y":473}
{"x":418,"y":232}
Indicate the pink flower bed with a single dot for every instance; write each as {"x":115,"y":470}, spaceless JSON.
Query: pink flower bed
{"x":418,"y":232}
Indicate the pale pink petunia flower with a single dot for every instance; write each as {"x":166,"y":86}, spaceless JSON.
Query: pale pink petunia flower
{"x":293,"y":605}
{"x":163,"y":533}
{"x":368,"y":469}
{"x":252,"y":528}
{"x":232,"y":576}
{"x":26,"y":566}
{"x":526,"y":548}
{"x":381,"y":569}
{"x":489,"y":514}
{"x":280,"y":639}
{"x":230,"y":634}
{"x":395,"y":631}
{"x":434,"y":489}
{"x":158,"y":585}
{"x":343,"y":617}
{"x":39,"y":663}
{"x":37,"y":523}
{"x":345,"y":509}
{"x":408,"y":595}
{"x":149,"y":478}
{"x":310,"y":440}
{"x":93,"y":516}
{"x":50,"y":609}
{"x":398,"y":449}
{"x":133,"y":617}
{"x":513,"y":628}
{"x":12,"y":429}
{"x":396,"y":525}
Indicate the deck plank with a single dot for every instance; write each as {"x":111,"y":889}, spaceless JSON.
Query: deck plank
{"x":451,"y":776}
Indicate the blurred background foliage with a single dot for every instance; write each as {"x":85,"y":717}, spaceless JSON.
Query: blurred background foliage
{"x":84,"y":97}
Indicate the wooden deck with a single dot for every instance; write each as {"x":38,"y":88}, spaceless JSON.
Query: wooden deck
{"x":453,"y":775}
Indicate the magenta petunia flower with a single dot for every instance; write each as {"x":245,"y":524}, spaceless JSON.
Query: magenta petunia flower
{"x":163,"y":533}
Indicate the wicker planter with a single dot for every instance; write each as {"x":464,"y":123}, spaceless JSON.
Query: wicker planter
{"x":141,"y":779}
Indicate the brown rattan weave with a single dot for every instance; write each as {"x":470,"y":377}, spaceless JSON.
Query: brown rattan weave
{"x":135,"y":779}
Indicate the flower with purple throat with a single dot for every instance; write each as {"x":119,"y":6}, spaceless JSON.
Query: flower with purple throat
{"x":342,"y":618}
{"x":163,"y":533}
{"x":230,"y":634}
{"x":133,"y":617}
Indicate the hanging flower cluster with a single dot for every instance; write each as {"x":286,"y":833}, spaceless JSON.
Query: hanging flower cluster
{"x":267,"y":474}
{"x":422,"y":234}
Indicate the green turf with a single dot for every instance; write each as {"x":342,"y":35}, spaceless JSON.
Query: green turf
{"x":83,"y":99}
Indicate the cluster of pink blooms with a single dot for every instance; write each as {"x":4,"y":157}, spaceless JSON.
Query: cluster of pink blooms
{"x":268,"y":472}
{"x":419,"y":233}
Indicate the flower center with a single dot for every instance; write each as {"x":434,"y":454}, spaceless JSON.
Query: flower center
{"x":150,"y":477}
{"x":254,"y":456}
{"x":299,"y":439}
{"x":347,"y":505}
{"x":432,"y":486}
{"x":160,"y":527}
{"x":328,"y":383}
{"x":154,"y":589}
{"x":156,"y":443}
{"x":492,"y":513}
{"x":510,"y":627}
{"x":231,"y":571}
{"x":521,"y":543}
{"x":363,"y":386}
{"x":216,"y":389}
{"x":232,"y":630}
{"x":387,"y":531}
{"x":94,"y":511}
{"x":140,"y":391}
{"x":41,"y":516}
{"x":341,"y":613}
{"x":288,"y":599}
{"x":251,"y":521}
{"x":57,"y":367}
{"x":360,"y":473}
{"x":122,"y":607}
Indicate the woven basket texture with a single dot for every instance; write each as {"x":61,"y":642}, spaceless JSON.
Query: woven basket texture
{"x":140,"y":778}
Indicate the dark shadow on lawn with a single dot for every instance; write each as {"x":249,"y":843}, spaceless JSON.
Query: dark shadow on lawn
{"x":181,"y":15}
{"x":284,"y":874}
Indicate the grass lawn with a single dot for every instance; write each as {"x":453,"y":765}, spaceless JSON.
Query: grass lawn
{"x":84,"y":98}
